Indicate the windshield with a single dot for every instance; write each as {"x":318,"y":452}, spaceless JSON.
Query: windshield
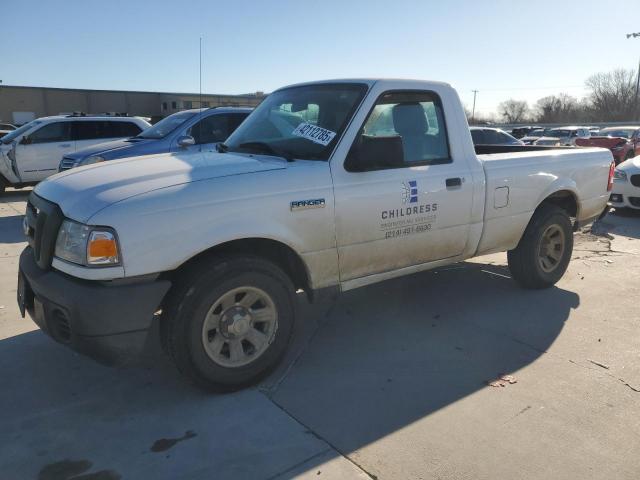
{"x":538,"y":132}
{"x":298,"y":122}
{"x":8,"y":138}
{"x":167,"y":125}
{"x":616,"y":132}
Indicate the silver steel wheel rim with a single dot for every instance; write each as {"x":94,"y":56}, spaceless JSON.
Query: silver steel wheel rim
{"x":552,"y":247}
{"x":239,"y":327}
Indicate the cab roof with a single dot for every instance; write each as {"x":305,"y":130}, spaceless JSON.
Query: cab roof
{"x":370,"y":82}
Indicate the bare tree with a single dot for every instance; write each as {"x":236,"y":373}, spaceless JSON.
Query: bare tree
{"x":480,"y":118}
{"x":613,"y":95}
{"x":559,"y":109}
{"x":513,"y":111}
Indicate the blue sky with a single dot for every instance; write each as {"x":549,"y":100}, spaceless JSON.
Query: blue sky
{"x":520,"y":49}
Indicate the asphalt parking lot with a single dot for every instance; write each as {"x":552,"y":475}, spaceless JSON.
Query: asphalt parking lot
{"x":450,"y":374}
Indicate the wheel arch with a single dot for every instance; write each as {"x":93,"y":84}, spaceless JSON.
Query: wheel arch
{"x":281,"y":254}
{"x":565,"y":199}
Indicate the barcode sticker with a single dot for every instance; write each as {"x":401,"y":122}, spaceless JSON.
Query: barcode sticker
{"x":314,"y":133}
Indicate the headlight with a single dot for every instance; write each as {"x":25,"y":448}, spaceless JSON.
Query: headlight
{"x":90,"y":159}
{"x":85,"y":245}
{"x":619,"y":175}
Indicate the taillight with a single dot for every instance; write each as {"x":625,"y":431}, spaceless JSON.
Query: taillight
{"x":612,"y":168}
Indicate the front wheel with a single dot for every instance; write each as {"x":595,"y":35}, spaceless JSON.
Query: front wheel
{"x":228,"y":322}
{"x":545,"y":249}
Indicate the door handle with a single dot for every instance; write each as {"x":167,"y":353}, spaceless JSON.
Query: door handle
{"x":65,"y":145}
{"x":453,"y":182}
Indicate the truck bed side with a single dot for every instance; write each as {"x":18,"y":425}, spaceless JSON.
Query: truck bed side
{"x":517,"y":183}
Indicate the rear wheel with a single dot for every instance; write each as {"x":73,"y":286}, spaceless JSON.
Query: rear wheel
{"x":3,"y":185}
{"x":545,"y":249}
{"x":229,"y":322}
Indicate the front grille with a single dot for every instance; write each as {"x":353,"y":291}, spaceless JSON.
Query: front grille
{"x":635,"y":180}
{"x":635,"y":201}
{"x":66,"y":164}
{"x":43,"y":219}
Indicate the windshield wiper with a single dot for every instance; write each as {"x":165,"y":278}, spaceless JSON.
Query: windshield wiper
{"x":263,"y":147}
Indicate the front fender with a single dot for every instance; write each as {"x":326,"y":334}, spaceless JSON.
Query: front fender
{"x":161,"y":230}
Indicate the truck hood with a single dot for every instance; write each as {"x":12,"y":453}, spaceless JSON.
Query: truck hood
{"x":102,"y":148}
{"x":82,"y":192}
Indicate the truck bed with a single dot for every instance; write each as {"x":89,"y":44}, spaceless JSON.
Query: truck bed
{"x":519,"y":177}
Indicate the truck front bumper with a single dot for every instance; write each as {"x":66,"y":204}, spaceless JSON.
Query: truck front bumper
{"x":108,"y":321}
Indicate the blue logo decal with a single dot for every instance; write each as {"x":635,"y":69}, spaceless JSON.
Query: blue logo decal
{"x":410,"y":191}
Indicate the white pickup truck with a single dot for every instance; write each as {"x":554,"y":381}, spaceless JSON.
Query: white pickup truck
{"x":335,"y":184}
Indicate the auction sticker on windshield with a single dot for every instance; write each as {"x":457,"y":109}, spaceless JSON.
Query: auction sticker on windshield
{"x":314,"y":133}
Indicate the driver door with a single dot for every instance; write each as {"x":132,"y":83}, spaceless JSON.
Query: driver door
{"x":414,"y":210}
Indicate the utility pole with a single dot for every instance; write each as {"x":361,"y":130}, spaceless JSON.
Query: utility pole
{"x":637,"y":110}
{"x":473,"y":111}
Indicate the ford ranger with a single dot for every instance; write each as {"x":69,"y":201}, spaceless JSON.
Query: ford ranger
{"x":326,"y":185}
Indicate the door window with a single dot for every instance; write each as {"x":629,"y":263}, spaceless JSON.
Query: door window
{"x":52,"y":133}
{"x":417,"y":118}
{"x":478,"y":137}
{"x":212,"y":129}
{"x":492,"y":137}
{"x":235,"y":119}
{"x":91,"y":130}
{"x":125,"y":129}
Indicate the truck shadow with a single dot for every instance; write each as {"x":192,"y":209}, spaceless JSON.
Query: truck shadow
{"x":11,"y":229}
{"x":381,"y":358}
{"x":619,"y":222}
{"x":15,"y":195}
{"x":393,"y":353}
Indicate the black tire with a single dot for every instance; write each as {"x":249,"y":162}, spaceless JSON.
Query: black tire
{"x":524,"y":261}
{"x":3,"y":185}
{"x":194,"y":295}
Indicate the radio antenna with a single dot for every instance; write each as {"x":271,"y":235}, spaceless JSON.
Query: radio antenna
{"x":200,"y":99}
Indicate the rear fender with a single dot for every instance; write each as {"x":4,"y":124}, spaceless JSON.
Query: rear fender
{"x":560,"y":185}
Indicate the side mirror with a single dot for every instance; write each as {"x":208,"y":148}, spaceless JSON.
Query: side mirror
{"x":375,"y":153}
{"x":25,"y":140}
{"x":186,"y":141}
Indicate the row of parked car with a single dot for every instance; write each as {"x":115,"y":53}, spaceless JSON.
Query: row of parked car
{"x":45,"y":146}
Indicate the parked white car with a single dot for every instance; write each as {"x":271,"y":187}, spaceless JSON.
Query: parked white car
{"x":563,"y":136}
{"x":6,"y":128}
{"x":32,"y":152}
{"x":626,"y":185}
{"x":326,"y":185}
